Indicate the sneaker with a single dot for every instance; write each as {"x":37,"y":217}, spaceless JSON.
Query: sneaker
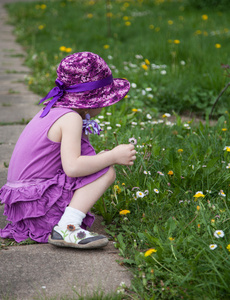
{"x":76,"y":237}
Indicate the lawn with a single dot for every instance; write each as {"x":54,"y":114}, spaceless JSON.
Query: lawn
{"x":169,"y":213}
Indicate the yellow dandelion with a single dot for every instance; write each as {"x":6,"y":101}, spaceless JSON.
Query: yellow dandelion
{"x":68,"y":50}
{"x":62,"y":48}
{"x":227,"y":148}
{"x":198,"y":207}
{"x":43,"y":6}
{"x":151,"y":26}
{"x":228,"y":247}
{"x":176,"y":42}
{"x":127,"y":23}
{"x":198,"y":225}
{"x":147,"y":61}
{"x":170,"y":173}
{"x":157,"y":29}
{"x":126,"y":4}
{"x":90,"y":16}
{"x":224,"y":129}
{"x":218,"y":46}
{"x":40,"y":27}
{"x":145,"y":67}
{"x":123,"y":184}
{"x":117,"y":189}
{"x":199,"y":194}
{"x":126,"y":18}
{"x":180,"y":150}
{"x":109,"y":15}
{"x":171,"y":238}
{"x":135,"y":110}
{"x":204,"y":17}
{"x":212,"y":221}
{"x":170,"y":22}
{"x":124,"y":212}
{"x":30,"y":81}
{"x":197,"y":32}
{"x":106,"y":46}
{"x":150,"y":251}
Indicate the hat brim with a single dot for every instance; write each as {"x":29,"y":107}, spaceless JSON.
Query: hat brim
{"x":98,"y":98}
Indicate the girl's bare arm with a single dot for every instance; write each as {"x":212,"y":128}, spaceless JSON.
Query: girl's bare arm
{"x":77,"y":165}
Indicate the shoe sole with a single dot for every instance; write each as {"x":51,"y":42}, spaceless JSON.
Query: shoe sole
{"x":92,"y":245}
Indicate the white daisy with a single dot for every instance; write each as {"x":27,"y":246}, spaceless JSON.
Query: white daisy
{"x":219,"y":233}
{"x":213,"y":246}
{"x":140,"y":194}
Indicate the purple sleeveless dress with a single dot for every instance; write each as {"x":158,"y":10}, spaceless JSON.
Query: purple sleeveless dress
{"x":37,"y":189}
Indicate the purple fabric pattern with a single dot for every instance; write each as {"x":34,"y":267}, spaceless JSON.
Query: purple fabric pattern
{"x":86,"y":67}
{"x":60,"y":89}
{"x":37,"y":189}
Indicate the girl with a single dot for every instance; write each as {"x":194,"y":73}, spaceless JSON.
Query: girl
{"x":55,"y":176}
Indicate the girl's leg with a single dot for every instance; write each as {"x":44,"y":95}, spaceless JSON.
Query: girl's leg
{"x":68,"y":232}
{"x":85,"y":197}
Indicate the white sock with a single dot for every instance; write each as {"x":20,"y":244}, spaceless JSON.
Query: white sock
{"x":71,"y":216}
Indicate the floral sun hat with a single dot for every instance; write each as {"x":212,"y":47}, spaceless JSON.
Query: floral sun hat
{"x":85,"y":81}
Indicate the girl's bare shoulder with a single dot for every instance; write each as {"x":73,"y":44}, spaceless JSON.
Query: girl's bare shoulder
{"x":70,"y":123}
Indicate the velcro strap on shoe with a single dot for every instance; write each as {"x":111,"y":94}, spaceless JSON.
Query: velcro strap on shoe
{"x":92,"y":239}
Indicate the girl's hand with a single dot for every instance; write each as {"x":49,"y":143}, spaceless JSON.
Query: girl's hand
{"x":124,"y":154}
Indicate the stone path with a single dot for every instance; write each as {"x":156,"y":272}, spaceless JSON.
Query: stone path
{"x":41,"y":271}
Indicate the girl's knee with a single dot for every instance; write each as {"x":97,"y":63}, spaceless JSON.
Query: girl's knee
{"x":111,"y":175}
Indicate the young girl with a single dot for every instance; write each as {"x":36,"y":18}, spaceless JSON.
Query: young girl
{"x":55,"y":176}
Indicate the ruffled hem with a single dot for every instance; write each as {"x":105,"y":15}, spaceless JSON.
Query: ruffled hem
{"x":34,"y":207}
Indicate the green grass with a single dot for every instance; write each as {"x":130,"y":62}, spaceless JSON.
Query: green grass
{"x":178,"y":227}
{"x":168,"y":218}
{"x":184,"y":73}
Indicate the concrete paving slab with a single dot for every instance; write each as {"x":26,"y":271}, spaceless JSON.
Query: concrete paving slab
{"x":8,"y":138}
{"x":10,"y":134}
{"x":43,"y":270}
{"x":3,"y":177}
{"x":17,"y":113}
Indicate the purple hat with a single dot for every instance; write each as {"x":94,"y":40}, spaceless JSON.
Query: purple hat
{"x":85,"y":81}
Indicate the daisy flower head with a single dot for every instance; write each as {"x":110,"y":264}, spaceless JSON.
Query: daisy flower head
{"x":160,"y":173}
{"x":147,"y":172}
{"x":133,"y":141}
{"x":148,"y":116}
{"x":221,"y":193}
{"x":140,"y":194}
{"x":156,"y":191}
{"x":219,"y":233}
{"x":213,"y":246}
{"x":227,"y":148}
{"x":166,"y":115}
{"x":133,"y":85}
